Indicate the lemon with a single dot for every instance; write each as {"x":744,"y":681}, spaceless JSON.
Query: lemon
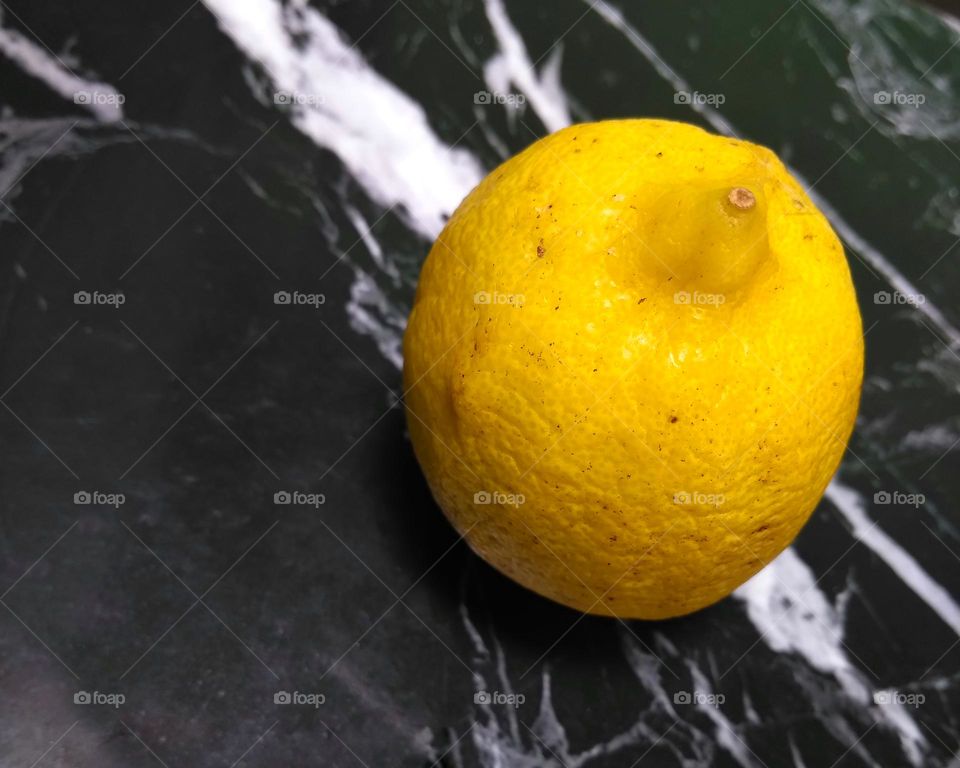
{"x":632,"y":365}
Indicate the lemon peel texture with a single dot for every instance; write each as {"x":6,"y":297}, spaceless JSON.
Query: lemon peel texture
{"x":632,"y":365}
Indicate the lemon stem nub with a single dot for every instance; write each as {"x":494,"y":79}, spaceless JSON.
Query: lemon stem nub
{"x":706,"y":237}
{"x":742,"y":198}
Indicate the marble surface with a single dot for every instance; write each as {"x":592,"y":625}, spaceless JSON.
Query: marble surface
{"x":167,"y":168}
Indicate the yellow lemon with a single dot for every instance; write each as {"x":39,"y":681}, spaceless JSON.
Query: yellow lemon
{"x":632,"y":365}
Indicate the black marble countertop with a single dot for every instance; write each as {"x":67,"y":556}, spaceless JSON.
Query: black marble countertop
{"x":166,"y":169}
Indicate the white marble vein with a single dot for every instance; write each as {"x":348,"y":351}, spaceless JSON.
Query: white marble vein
{"x":512,"y":65}
{"x":380,"y":134}
{"x":852,"y":506}
{"x":101,"y":99}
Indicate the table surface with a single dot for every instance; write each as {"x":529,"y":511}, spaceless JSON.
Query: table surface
{"x":180,"y":163}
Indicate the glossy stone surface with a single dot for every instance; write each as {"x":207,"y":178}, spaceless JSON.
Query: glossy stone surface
{"x":257,"y":152}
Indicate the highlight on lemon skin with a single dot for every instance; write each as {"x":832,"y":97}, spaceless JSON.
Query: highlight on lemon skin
{"x":596,"y":442}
